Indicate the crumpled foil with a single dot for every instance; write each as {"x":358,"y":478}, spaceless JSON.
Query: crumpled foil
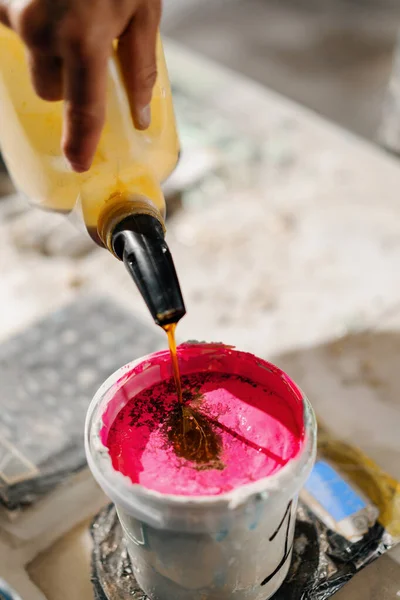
{"x":112,"y":575}
{"x":322,"y":562}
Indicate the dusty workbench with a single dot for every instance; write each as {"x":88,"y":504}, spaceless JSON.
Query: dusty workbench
{"x":286,"y":240}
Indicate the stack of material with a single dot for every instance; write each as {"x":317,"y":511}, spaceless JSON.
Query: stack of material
{"x":48,"y":375}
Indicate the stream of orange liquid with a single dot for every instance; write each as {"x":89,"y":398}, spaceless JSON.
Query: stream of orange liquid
{"x":170,"y":331}
{"x":190,"y":432}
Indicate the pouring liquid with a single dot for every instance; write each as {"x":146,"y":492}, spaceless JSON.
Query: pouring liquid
{"x":189,"y":431}
{"x":170,"y":331}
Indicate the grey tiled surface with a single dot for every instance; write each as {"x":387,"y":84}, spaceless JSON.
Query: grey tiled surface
{"x":48,"y":375}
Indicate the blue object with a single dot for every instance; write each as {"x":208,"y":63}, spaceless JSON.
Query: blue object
{"x":333,"y":493}
{"x":6,"y":593}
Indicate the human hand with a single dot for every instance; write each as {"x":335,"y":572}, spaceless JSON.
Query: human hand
{"x":69,"y":43}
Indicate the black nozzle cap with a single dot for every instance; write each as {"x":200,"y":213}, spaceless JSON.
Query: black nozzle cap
{"x":139,"y":242}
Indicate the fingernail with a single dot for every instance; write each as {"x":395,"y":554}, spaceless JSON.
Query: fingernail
{"x":144,"y":117}
{"x":79,"y":168}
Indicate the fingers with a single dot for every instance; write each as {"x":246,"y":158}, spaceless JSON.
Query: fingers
{"x":77,"y":70}
{"x":137,"y":55}
{"x":68,"y":61}
{"x":46,"y":75}
{"x":85,"y":83}
{"x":4,"y":15}
{"x":32,"y":22}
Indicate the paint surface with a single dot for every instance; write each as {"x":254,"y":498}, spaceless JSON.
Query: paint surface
{"x":258,"y":428}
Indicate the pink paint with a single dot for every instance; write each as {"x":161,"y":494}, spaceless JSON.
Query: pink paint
{"x":256,"y":410}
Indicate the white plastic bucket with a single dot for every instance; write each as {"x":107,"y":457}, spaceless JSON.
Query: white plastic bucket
{"x":234,"y":545}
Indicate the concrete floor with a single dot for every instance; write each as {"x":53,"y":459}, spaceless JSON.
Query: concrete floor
{"x":333,"y":56}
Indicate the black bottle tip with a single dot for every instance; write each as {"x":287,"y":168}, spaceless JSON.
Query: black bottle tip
{"x":139,"y":242}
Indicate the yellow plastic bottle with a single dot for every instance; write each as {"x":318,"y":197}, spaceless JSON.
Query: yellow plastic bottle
{"x":126,"y":161}
{"x":120,"y":196}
